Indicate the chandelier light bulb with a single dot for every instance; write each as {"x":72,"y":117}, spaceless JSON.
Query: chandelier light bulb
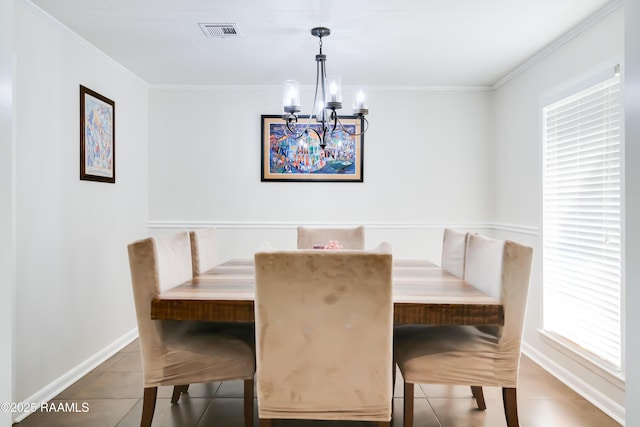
{"x":318,"y":111}
{"x":360,"y":101}
{"x":334,"y":97}
{"x":291,"y":96}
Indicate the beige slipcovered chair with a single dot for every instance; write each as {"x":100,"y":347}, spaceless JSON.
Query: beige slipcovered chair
{"x":349,"y":238}
{"x":467,"y":355}
{"x":204,"y":254}
{"x":324,"y":333}
{"x":178,"y":353}
{"x":454,"y":249}
{"x":454,"y":252}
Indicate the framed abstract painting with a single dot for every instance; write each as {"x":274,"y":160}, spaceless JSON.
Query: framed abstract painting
{"x":97,"y":137}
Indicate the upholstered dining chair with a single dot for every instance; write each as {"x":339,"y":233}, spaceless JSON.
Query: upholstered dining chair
{"x":204,"y":254}
{"x":468,"y":355}
{"x":349,"y":238}
{"x":454,"y":249}
{"x":324,"y":326}
{"x":178,"y":353}
{"x":454,"y":253}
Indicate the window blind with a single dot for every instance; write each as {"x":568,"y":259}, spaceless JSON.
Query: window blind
{"x":581,"y":220}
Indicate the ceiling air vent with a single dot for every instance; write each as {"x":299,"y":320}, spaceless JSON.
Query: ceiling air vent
{"x":220,"y":30}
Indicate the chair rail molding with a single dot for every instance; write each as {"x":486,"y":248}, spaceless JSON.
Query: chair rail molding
{"x":161,"y":224}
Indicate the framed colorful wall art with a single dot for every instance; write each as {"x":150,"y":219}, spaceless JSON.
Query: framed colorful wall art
{"x":299,"y":156}
{"x":97,"y":137}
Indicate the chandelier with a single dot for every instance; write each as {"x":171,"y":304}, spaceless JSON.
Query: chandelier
{"x":327,"y":99}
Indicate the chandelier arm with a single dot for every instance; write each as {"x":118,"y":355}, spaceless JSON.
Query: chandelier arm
{"x":317,"y":133}
{"x":322,"y":76}
{"x":319,"y":83}
{"x":296,"y":135}
{"x":366,"y":125}
{"x":319,"y":73}
{"x":315,"y":95}
{"x":308,"y":125}
{"x":293,"y":119}
{"x":345,"y":130}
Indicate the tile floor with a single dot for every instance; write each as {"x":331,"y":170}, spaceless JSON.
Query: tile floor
{"x":113,"y":393}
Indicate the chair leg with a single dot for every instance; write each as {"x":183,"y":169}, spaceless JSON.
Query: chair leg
{"x":510,"y":406}
{"x":393,"y":386}
{"x":265,"y":422}
{"x":408,"y":404}
{"x":479,"y":396}
{"x":248,"y":403}
{"x":177,"y":390}
{"x":148,"y":406}
{"x":393,"y":378}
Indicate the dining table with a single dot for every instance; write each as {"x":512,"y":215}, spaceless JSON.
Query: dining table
{"x":423,"y":293}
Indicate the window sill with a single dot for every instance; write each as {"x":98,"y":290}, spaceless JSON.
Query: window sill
{"x":599,"y":367}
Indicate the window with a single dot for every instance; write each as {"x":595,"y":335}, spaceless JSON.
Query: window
{"x":581,"y":220}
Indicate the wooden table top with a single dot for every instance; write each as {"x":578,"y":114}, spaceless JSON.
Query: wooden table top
{"x":423,"y":293}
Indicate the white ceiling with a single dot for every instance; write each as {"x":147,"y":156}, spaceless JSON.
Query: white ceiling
{"x":372,"y":42}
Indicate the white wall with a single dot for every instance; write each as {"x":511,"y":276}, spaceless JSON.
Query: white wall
{"x":73,"y":287}
{"x":7,"y":242}
{"x":632,"y":208}
{"x":427,"y":162}
{"x":519,"y":180}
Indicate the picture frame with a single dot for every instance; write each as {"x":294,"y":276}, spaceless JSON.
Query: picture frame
{"x":287,"y":158}
{"x":97,"y":137}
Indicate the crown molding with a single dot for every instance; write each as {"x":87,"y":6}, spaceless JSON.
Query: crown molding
{"x":559,"y":42}
{"x":433,"y":88}
{"x":75,"y":36}
{"x":212,"y":87}
{"x":311,"y":87}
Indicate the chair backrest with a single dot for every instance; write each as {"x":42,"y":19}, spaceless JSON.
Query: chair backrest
{"x":454,"y":249}
{"x":156,"y":264}
{"x":501,"y":268}
{"x":349,"y":238}
{"x":324,"y":334}
{"x":204,"y":253}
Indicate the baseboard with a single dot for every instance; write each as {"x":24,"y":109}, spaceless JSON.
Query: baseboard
{"x":594,"y":396}
{"x":57,"y":386}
